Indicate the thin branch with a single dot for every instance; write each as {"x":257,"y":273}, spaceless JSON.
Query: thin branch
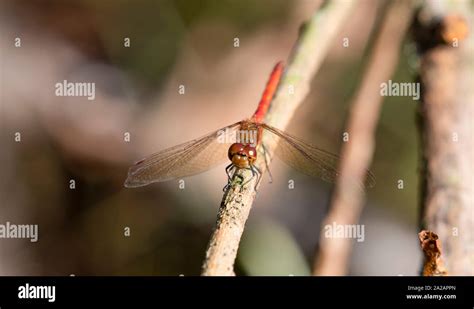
{"x":431,"y":246}
{"x":445,"y":117}
{"x":309,"y":52}
{"x":347,"y":201}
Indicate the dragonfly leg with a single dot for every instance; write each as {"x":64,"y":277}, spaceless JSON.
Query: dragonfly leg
{"x":255,"y":173}
{"x":267,"y":163}
{"x":258,"y":172}
{"x":228,"y":171}
{"x":248,"y":180}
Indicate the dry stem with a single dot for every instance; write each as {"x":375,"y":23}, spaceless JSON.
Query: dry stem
{"x":446,"y":113}
{"x":347,"y":202}
{"x":431,"y":246}
{"x":310,"y":49}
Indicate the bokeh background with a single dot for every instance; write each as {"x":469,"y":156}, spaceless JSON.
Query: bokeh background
{"x":191,"y":43}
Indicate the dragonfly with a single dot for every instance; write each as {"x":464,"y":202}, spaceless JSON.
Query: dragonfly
{"x":201,"y":154}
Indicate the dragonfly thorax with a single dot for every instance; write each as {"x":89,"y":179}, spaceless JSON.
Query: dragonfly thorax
{"x":242,"y":155}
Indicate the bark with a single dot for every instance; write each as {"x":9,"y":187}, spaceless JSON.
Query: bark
{"x":445,"y":117}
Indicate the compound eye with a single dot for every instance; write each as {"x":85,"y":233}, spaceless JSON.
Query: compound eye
{"x":235,"y":149}
{"x":251,"y":152}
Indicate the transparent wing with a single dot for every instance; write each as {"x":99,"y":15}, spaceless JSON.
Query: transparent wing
{"x":186,"y":159}
{"x":308,"y":159}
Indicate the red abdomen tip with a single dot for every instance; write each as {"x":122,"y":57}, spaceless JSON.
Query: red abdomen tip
{"x":269,"y":92}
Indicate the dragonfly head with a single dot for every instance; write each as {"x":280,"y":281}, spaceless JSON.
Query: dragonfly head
{"x":241,"y":155}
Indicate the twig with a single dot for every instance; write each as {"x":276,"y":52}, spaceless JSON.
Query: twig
{"x":310,"y":49}
{"x":431,"y":246}
{"x":347,"y":201}
{"x":445,"y":118}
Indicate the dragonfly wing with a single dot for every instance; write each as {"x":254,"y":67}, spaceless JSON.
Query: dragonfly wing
{"x":309,"y":159}
{"x":186,"y":159}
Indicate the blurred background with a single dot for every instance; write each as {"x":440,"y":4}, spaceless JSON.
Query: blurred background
{"x":82,"y":230}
